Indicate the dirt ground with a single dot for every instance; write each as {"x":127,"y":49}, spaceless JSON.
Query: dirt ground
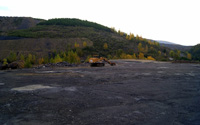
{"x":130,"y":93}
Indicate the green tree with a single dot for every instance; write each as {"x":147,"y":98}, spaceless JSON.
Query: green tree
{"x":189,"y":56}
{"x":137,"y":37}
{"x":46,"y":60}
{"x":22,"y":57}
{"x":140,"y":49}
{"x":57,"y":59}
{"x":105,"y":46}
{"x":12,"y":57}
{"x":33,"y":61}
{"x":171,"y":53}
{"x":27,"y":63}
{"x":119,"y":52}
{"x":88,"y":57}
{"x":131,"y":36}
{"x":109,"y":56}
{"x":113,"y":29}
{"x":159,"y":53}
{"x":40,"y":61}
{"x":84,"y":44}
{"x":150,"y":58}
{"x":127,"y":37}
{"x":79,"y":52}
{"x":134,"y":56}
{"x":52,"y":60}
{"x":72,"y":57}
{"x":5,"y":62}
{"x":76,"y":45}
{"x":146,"y":49}
{"x":128,"y":56}
{"x":29,"y":58}
{"x":123,"y":56}
{"x":141,"y":56}
{"x":178,"y":54}
{"x":120,"y":33}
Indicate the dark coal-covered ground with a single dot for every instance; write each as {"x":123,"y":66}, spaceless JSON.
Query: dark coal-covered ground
{"x":130,"y":93}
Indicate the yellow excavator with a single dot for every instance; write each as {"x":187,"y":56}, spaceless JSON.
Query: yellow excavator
{"x":98,"y":62}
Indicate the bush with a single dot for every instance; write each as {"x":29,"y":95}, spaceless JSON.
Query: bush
{"x":109,"y":56}
{"x":88,"y":57}
{"x":27,"y":64}
{"x":150,"y":58}
{"x":57,"y":59}
{"x":5,"y":62}
{"x":72,"y":57}
{"x":40,"y":61}
{"x":12,"y":57}
{"x":129,"y":56}
{"x":141,"y":56}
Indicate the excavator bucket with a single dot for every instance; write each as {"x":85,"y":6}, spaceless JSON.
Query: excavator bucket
{"x":112,"y":64}
{"x":97,"y":64}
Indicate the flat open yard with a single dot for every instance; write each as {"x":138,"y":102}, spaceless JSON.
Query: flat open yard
{"x":131,"y":93}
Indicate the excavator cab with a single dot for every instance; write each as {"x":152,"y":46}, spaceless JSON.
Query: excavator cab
{"x":99,"y":62}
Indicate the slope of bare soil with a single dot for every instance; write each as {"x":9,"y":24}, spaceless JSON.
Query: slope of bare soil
{"x":132,"y":92}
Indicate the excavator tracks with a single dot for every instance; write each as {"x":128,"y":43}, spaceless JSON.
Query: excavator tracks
{"x":97,"y":64}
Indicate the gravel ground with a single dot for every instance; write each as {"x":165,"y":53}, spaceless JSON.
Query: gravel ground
{"x":131,"y":93}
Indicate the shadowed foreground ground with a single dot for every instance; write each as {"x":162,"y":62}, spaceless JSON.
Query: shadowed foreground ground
{"x":133,"y":92}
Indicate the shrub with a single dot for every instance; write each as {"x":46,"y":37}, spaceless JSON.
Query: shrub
{"x":27,"y":64}
{"x":88,"y":57}
{"x":150,"y":58}
{"x":72,"y":57}
{"x":141,"y":56}
{"x":76,"y":45}
{"x":57,"y":59}
{"x":40,"y":61}
{"x":84,"y":44}
{"x":5,"y":62}
{"x":134,"y":56}
{"x":12,"y":57}
{"x":109,"y":56}
{"x":129,"y":56}
{"x":123,"y":56}
{"x":189,"y":56}
{"x":22,"y":57}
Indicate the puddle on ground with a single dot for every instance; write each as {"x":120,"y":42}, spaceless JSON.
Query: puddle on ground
{"x":146,"y":74}
{"x":162,"y":67}
{"x":47,"y":72}
{"x":31,"y":88}
{"x":1,"y":84}
{"x":190,"y":74}
{"x":177,"y":74}
{"x":161,"y":72}
{"x":137,"y":112}
{"x":71,"y":89}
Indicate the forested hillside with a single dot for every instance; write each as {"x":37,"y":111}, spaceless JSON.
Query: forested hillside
{"x":13,"y":23}
{"x":195,"y":51}
{"x":58,"y":37}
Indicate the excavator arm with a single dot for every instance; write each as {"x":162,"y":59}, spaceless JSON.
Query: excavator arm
{"x":111,"y":63}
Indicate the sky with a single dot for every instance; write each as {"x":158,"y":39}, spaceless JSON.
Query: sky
{"x":176,"y":21}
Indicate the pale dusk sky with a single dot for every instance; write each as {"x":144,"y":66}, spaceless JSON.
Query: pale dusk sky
{"x":176,"y":21}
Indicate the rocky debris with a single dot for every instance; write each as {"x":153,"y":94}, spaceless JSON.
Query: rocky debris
{"x":16,"y":64}
{"x":20,"y":64}
{"x":3,"y":67}
{"x":186,"y":61}
{"x":62,"y":64}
